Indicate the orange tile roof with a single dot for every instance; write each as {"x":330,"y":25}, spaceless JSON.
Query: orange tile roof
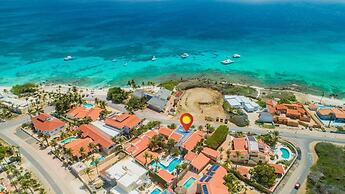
{"x":211,"y":152}
{"x":175,"y":136}
{"x":81,"y":112}
{"x":142,"y":160}
{"x":278,"y":168}
{"x":240,"y":143}
{"x":97,"y":136}
{"x":293,"y":112}
{"x":200,"y":161}
{"x":244,"y":171}
{"x":190,"y":156}
{"x":76,"y":144}
{"x":166,"y":176}
{"x":45,"y":122}
{"x":140,"y":143}
{"x":165,"y":131}
{"x":123,"y":120}
{"x":192,"y":140}
{"x":340,"y":114}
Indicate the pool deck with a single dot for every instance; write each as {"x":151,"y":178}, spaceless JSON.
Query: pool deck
{"x":279,"y":153}
{"x":187,"y":176}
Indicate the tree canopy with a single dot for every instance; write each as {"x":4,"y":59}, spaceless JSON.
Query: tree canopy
{"x":117,"y":95}
{"x":264,"y":174}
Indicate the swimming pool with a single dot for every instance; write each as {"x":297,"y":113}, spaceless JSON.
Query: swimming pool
{"x":285,"y":153}
{"x":88,"y":105}
{"x":101,"y":158}
{"x":189,"y":182}
{"x":171,"y":167}
{"x":67,"y":140}
{"x":156,"y":191}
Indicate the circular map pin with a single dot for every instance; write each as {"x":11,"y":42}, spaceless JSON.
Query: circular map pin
{"x":186,"y":121}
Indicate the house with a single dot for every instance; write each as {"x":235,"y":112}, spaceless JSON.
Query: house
{"x":166,"y":176}
{"x":127,"y":175}
{"x":158,"y":101}
{"x":212,"y":181}
{"x":244,"y":171}
{"x":140,"y":143}
{"x":193,"y":140}
{"x":334,"y":114}
{"x":105,"y":143}
{"x":190,"y":156}
{"x":123,"y":122}
{"x":15,"y":104}
{"x":144,"y":161}
{"x":265,"y":117}
{"x":278,"y":169}
{"x":249,"y":150}
{"x":211,"y":153}
{"x":139,"y":93}
{"x":199,"y":163}
{"x":157,"y":104}
{"x":47,"y":124}
{"x":81,"y":112}
{"x":240,"y":102}
{"x":77,"y":144}
{"x":170,"y":134}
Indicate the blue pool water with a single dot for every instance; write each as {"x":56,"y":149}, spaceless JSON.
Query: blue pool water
{"x":67,"y":140}
{"x":156,"y":191}
{"x":171,"y":167}
{"x":88,"y":105}
{"x":189,"y":182}
{"x":285,"y":153}
{"x":101,"y":158}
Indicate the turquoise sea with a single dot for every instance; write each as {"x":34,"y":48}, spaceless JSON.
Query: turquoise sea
{"x":281,"y":43}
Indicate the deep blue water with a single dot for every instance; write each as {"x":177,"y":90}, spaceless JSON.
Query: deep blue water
{"x":280,"y":43}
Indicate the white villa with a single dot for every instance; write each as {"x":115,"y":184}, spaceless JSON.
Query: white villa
{"x":241,"y":102}
{"x":127,"y":175}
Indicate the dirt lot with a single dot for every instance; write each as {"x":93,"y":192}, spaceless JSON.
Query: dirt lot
{"x":201,"y":103}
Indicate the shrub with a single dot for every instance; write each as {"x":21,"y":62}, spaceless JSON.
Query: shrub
{"x":24,"y":89}
{"x":135,"y":103}
{"x":169,"y":85}
{"x":239,"y":120}
{"x":116,"y":95}
{"x":218,"y":137}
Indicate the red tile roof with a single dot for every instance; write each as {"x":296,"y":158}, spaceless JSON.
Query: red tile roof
{"x":45,"y":122}
{"x":240,"y":143}
{"x":244,"y":171}
{"x":192,"y":140}
{"x":166,"y":176}
{"x":142,"y":160}
{"x":190,"y":156}
{"x":140,"y":143}
{"x":340,"y":114}
{"x":170,"y":134}
{"x":123,"y":120}
{"x":81,"y":112}
{"x":97,"y":136}
{"x":211,"y":152}
{"x":278,"y":168}
{"x":76,"y":144}
{"x":200,"y":162}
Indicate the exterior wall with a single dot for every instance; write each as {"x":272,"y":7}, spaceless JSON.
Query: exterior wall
{"x":150,"y":106}
{"x":51,"y":133}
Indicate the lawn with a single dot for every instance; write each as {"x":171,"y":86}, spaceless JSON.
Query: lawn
{"x":328,"y":174}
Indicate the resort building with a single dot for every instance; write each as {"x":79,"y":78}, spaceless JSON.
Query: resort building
{"x":146,"y":160}
{"x":47,"y":124}
{"x":106,"y":129}
{"x":249,"y":151}
{"x":166,"y":176}
{"x":15,"y":104}
{"x":199,"y":163}
{"x":158,"y":101}
{"x":140,"y":143}
{"x":336,"y":115}
{"x":127,"y":175}
{"x":193,"y":140}
{"x":81,"y":112}
{"x":77,"y":145}
{"x":211,"y":153}
{"x":105,"y":143}
{"x":123,"y":122}
{"x":170,"y":134}
{"x":241,"y":102}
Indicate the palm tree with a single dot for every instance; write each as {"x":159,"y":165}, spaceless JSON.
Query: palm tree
{"x":69,"y":153}
{"x":88,"y":171}
{"x":331,"y":118}
{"x":238,"y":154}
{"x":96,"y":162}
{"x":53,"y":143}
{"x":82,"y":152}
{"x":46,"y":137}
{"x":146,"y":155}
{"x":92,"y":147}
{"x":156,"y":166}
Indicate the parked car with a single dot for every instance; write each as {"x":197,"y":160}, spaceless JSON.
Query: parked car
{"x":297,"y":186}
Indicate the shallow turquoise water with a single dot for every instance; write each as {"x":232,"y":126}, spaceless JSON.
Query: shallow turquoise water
{"x":88,"y":105}
{"x":67,"y":140}
{"x":170,"y":168}
{"x":280,"y":43}
{"x":101,"y":158}
{"x":156,"y":191}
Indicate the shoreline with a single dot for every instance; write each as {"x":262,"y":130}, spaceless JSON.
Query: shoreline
{"x":303,"y":97}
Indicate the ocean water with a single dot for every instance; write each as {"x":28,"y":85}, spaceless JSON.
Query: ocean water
{"x":280,"y":43}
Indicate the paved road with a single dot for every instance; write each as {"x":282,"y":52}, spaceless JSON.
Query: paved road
{"x":56,"y":178}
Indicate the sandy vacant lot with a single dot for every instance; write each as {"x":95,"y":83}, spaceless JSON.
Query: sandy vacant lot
{"x":201,"y":103}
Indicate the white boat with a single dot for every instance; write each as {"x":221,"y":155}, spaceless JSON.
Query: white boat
{"x":184,"y":55}
{"x":153,"y":58}
{"x":114,"y":60}
{"x":68,"y":58}
{"x":125,"y":64}
{"x":236,"y":56}
{"x":227,"y":62}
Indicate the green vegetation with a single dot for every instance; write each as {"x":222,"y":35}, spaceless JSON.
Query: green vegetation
{"x":135,"y":103}
{"x":117,"y":95}
{"x":5,"y":112}
{"x":24,"y":89}
{"x":285,"y":97}
{"x":64,"y":102}
{"x":170,"y":84}
{"x":240,"y":90}
{"x":218,"y":137}
{"x":233,"y":184}
{"x":261,"y":103}
{"x":270,"y":139}
{"x":143,"y":128}
{"x":264,"y":174}
{"x":154,"y":177}
{"x":328,"y":174}
{"x":236,"y":116}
